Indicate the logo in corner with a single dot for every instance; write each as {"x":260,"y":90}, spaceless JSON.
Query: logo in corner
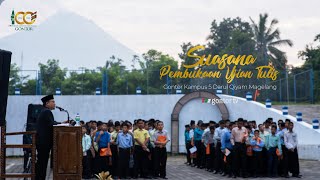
{"x":23,"y":21}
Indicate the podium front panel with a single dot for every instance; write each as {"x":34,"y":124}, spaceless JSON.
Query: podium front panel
{"x":67,"y":153}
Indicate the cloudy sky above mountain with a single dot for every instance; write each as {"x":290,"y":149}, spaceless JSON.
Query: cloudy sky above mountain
{"x":164,"y":25}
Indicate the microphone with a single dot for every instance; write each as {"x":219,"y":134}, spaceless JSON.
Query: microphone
{"x":60,"y":108}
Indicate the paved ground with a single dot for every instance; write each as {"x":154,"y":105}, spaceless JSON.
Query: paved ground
{"x":177,"y":170}
{"x":309,"y":112}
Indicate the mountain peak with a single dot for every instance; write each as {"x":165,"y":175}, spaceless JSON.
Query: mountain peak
{"x":73,"y":39}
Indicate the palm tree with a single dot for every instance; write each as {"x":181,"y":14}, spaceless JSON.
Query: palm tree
{"x":268,"y":40}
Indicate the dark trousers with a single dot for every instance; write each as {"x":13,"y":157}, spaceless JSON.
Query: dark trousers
{"x":218,"y":162}
{"x":114,"y":151}
{"x":85,"y":166}
{"x":257,"y":163}
{"x":283,"y":163}
{"x":96,"y":164}
{"x":210,"y":157}
{"x":42,"y":161}
{"x":203,"y":158}
{"x":293,"y":162}
{"x":239,"y":159}
{"x":249,"y":165}
{"x":151,"y":157}
{"x":272,"y":162}
{"x":265,"y":160}
{"x":188,"y":146}
{"x":140,"y":161}
{"x":160,"y":161}
{"x":102,"y":163}
{"x":123,"y":165}
{"x":229,"y":168}
{"x":90,"y":162}
{"x":200,"y":153}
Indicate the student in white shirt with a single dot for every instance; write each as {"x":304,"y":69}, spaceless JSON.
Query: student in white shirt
{"x":291,"y":143}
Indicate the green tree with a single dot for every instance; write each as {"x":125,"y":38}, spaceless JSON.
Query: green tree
{"x":150,"y":65}
{"x":268,"y":40}
{"x":16,"y":80}
{"x":223,"y":34}
{"x":82,"y":82}
{"x":135,"y":59}
{"x":29,"y":87}
{"x":155,"y":83}
{"x":311,"y":55}
{"x":150,"y":56}
{"x":52,"y":76}
{"x":186,"y":60}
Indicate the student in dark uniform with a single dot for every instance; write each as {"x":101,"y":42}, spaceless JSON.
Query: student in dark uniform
{"x":197,"y":142}
{"x":187,"y":140}
{"x":44,"y":139}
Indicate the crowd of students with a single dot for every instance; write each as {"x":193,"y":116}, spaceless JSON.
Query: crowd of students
{"x":125,"y":150}
{"x":243,"y":149}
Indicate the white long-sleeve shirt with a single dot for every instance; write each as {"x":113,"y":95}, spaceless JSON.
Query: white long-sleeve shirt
{"x":86,"y":143}
{"x":191,"y":133}
{"x":290,"y":140}
{"x":218,"y":133}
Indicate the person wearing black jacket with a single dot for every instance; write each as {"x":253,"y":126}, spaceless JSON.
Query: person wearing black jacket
{"x":44,"y":139}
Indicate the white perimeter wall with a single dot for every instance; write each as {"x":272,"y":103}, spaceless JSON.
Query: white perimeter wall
{"x":130,"y":107}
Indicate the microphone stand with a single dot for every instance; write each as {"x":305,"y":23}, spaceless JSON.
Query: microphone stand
{"x":61,"y":109}
{"x":68,"y":115}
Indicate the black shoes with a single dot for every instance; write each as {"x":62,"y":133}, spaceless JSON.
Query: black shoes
{"x":296,"y":175}
{"x":216,"y":172}
{"x":234,"y":176}
{"x":286,"y":176}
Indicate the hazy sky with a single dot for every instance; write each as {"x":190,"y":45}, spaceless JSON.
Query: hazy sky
{"x":165,"y":24}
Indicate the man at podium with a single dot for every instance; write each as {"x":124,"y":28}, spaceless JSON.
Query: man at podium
{"x":44,"y":139}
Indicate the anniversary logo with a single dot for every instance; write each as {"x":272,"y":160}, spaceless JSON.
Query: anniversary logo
{"x":23,"y":21}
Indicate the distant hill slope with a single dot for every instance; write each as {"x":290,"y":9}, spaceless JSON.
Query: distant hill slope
{"x":69,"y":37}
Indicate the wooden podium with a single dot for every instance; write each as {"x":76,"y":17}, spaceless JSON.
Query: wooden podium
{"x":67,"y":153}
